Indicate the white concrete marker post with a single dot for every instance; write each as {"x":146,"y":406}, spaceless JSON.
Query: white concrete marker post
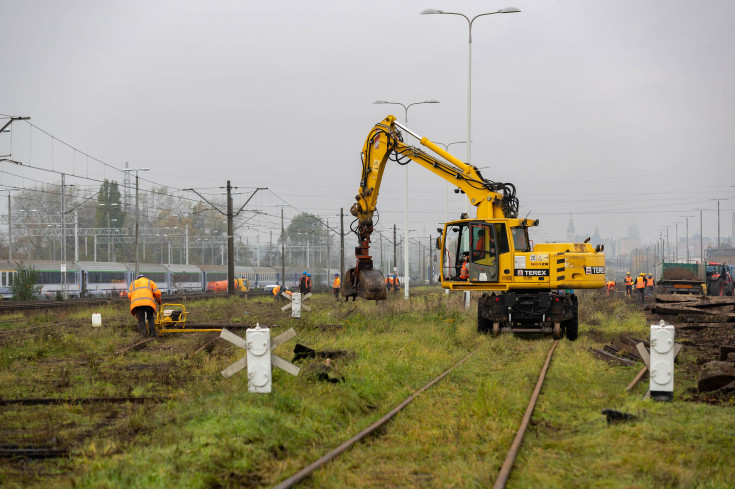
{"x":259,"y":358}
{"x":297,"y":303}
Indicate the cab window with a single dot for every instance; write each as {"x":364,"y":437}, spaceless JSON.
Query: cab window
{"x":520,"y":238}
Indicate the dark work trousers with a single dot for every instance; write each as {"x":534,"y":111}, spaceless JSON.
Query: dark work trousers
{"x":336,"y":293}
{"x":141,"y":312}
{"x":628,"y":289}
{"x":641,"y":292}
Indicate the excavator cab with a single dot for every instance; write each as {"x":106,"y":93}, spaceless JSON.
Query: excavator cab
{"x":479,"y":244}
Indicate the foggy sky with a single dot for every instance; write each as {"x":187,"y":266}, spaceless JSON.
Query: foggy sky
{"x":616,"y":112}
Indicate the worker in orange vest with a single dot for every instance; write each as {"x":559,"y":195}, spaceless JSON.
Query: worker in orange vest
{"x":610,"y":286}
{"x":144,"y":294}
{"x":628,"y":284}
{"x":302,"y":283}
{"x":649,"y":285}
{"x":276,"y":293}
{"x":640,"y":286}
{"x":308,"y":283}
{"x":336,"y":285}
{"x":464,"y":274}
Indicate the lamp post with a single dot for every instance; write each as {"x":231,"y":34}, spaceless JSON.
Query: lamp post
{"x":676,"y":239}
{"x":687,"y":241}
{"x":137,"y":255}
{"x":405,"y":109}
{"x":10,"y":225}
{"x":283,"y":246}
{"x":507,"y":10}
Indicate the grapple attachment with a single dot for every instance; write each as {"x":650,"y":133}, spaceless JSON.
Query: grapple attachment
{"x":366,"y":284}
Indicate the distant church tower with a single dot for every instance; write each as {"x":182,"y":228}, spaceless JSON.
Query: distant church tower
{"x":571,"y":235}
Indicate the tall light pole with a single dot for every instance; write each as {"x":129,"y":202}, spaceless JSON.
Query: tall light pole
{"x":687,"y":223}
{"x":507,"y":10}
{"x":10,"y":221}
{"x":405,"y":257}
{"x":137,"y":248}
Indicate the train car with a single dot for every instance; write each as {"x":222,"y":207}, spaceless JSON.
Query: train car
{"x":101,"y":278}
{"x":50,"y":278}
{"x":186,"y":278}
{"x":158,"y":273}
{"x":264,"y":276}
{"x":8,"y":271}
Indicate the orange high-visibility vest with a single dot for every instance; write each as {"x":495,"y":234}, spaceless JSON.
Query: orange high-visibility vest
{"x":464,"y":274}
{"x":276,"y":290}
{"x":336,"y":283}
{"x":649,"y":282}
{"x":143,"y":292}
{"x":628,"y":280}
{"x":640,"y":283}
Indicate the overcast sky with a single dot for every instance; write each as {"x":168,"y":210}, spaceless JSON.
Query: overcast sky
{"x":618,"y":112}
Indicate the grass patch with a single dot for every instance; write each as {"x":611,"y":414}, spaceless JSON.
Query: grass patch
{"x":213,"y":433}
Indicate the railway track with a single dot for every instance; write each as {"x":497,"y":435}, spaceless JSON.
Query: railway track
{"x":14,"y":306}
{"x":506,"y":468}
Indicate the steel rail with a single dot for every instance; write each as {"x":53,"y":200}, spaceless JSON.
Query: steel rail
{"x":47,"y":401}
{"x":516,"y":445}
{"x":308,"y":470}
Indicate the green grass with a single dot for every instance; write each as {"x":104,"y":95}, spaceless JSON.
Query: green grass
{"x":214,"y":433}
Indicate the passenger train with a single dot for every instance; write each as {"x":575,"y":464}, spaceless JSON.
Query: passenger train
{"x":110,"y":278}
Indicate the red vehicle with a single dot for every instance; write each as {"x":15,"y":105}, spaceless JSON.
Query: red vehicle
{"x":719,"y":279}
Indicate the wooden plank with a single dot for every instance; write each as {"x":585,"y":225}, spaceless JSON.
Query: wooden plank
{"x":626,"y":347}
{"x":289,"y":367}
{"x":134,"y":347}
{"x":611,"y":358}
{"x":235,"y":367}
{"x":233,"y":338}
{"x":644,"y":354}
{"x":637,"y":378}
{"x":282,"y":338}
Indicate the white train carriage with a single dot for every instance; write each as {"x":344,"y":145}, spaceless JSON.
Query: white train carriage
{"x":186,"y":278}
{"x":103,"y":278}
{"x":264,"y":276}
{"x":158,"y":273}
{"x":8,"y":271}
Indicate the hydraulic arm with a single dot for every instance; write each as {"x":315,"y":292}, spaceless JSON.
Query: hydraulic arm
{"x":384,"y":143}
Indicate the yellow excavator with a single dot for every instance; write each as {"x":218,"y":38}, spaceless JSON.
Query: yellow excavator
{"x":525,"y":289}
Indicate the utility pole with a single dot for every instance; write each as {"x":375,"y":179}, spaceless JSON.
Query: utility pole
{"x":230,"y":244}
{"x":283,"y":253}
{"x":63,"y":236}
{"x":395,"y":249}
{"x":342,"y":242}
{"x":329,"y":238}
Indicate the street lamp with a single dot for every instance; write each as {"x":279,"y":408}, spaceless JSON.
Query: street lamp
{"x":687,"y":222}
{"x":137,"y":259}
{"x":10,"y":225}
{"x":405,"y":109}
{"x":676,"y":239}
{"x":507,"y":10}
{"x":283,"y":247}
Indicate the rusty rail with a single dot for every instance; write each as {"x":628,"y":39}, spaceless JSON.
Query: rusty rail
{"x":516,"y":445}
{"x":308,"y":470}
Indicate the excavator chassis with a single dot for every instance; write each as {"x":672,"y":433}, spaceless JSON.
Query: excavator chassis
{"x":543,"y":312}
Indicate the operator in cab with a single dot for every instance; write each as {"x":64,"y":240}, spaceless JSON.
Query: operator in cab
{"x":144,"y":294}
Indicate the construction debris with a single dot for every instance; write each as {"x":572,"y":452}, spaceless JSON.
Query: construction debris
{"x":705,"y":309}
{"x":614,"y":416}
{"x":621,"y":351}
{"x":715,"y":375}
